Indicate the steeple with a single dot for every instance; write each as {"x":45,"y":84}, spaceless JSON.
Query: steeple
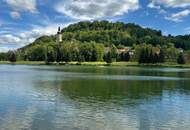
{"x":59,"y":29}
{"x":59,"y":36}
{"x":58,"y":42}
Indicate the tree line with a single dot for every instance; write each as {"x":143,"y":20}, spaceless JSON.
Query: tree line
{"x":91,"y":51}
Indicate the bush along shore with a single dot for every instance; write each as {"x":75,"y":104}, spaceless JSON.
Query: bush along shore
{"x":97,"y":54}
{"x":98,"y":64}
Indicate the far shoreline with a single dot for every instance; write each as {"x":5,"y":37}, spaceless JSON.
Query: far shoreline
{"x":117,"y":64}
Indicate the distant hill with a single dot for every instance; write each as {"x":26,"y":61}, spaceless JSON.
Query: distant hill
{"x":114,"y":33}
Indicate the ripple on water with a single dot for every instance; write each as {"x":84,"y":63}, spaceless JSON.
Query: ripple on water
{"x":42,"y":98}
{"x":126,"y":77}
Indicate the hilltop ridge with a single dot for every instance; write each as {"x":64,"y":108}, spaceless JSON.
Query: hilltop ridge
{"x":115,"y":33}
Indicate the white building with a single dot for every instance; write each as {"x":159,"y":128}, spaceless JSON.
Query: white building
{"x":59,"y":36}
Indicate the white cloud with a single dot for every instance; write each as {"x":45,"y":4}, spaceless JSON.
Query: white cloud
{"x":170,"y":3}
{"x":162,"y":11}
{"x":94,"y":9}
{"x":22,"y":5}
{"x":22,"y":38}
{"x":177,"y":17}
{"x":37,"y":31}
{"x":162,"y":6}
{"x":5,"y":49}
{"x":9,"y":38}
{"x":187,"y":29}
{"x":15,"y":15}
{"x":153,"y":5}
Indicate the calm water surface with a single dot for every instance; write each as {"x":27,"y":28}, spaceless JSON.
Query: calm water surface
{"x":94,"y":98}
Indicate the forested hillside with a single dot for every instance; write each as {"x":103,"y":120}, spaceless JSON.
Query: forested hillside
{"x":121,"y":33}
{"x":92,"y":41}
{"x":116,"y":33}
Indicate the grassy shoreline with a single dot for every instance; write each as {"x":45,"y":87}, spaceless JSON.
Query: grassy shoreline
{"x":122,"y":64}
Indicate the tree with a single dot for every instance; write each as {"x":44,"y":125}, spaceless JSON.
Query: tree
{"x":50,"y":55}
{"x":3,"y":56}
{"x":37,"y":53}
{"x":12,"y":56}
{"x":58,"y":55}
{"x":151,"y":57}
{"x":142,"y":56}
{"x":161,"y":56}
{"x":181,"y":59}
{"x":124,"y":56}
{"x":81,"y":58}
{"x":156,"y":58}
{"x":113,"y":51}
{"x":86,"y":50}
{"x":148,"y":55}
{"x":97,"y":52}
{"x":127,"y":56}
{"x":108,"y":57}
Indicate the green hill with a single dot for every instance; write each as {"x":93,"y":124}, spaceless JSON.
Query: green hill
{"x":90,"y":41}
{"x":115,"y":33}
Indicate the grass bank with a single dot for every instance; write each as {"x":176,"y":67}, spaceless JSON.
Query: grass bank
{"x":167,"y":64}
{"x":24,"y":62}
{"x":72,"y":63}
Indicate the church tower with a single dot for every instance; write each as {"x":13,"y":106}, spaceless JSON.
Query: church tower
{"x":59,"y":36}
{"x":58,"y":42}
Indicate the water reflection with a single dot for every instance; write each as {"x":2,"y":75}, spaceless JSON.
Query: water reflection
{"x":87,"y":98}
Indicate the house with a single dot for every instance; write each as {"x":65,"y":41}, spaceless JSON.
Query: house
{"x":131,"y":52}
{"x":119,"y":51}
{"x":180,"y":50}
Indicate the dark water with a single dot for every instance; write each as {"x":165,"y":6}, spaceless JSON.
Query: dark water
{"x":94,"y":98}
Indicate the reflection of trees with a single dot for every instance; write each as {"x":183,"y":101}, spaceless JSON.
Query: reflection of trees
{"x":135,"y":103}
{"x":107,"y":90}
{"x":183,"y":86}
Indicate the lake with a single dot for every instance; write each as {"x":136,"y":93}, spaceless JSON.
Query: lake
{"x":94,"y":98}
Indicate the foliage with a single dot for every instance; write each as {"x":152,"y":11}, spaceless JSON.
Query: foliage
{"x":150,"y":54}
{"x":11,"y":56}
{"x":113,"y":51}
{"x":124,"y":56}
{"x":181,"y":59}
{"x":50,"y":57}
{"x":108,"y":57}
{"x":121,"y":34}
{"x":3,"y":56}
{"x":100,"y":40}
{"x":37,"y":53}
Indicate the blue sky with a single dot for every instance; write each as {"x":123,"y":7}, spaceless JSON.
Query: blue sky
{"x":22,"y":21}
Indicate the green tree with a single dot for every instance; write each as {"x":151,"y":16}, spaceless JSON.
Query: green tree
{"x":86,"y":51}
{"x":113,"y":51}
{"x":58,"y":54}
{"x":124,"y":56}
{"x":151,"y":57}
{"x":3,"y":56}
{"x":37,"y":53}
{"x":108,"y":57}
{"x":12,"y":56}
{"x":51,"y":57}
{"x":181,"y":59}
{"x":97,"y":52}
{"x":161,"y":56}
{"x":142,"y":56}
